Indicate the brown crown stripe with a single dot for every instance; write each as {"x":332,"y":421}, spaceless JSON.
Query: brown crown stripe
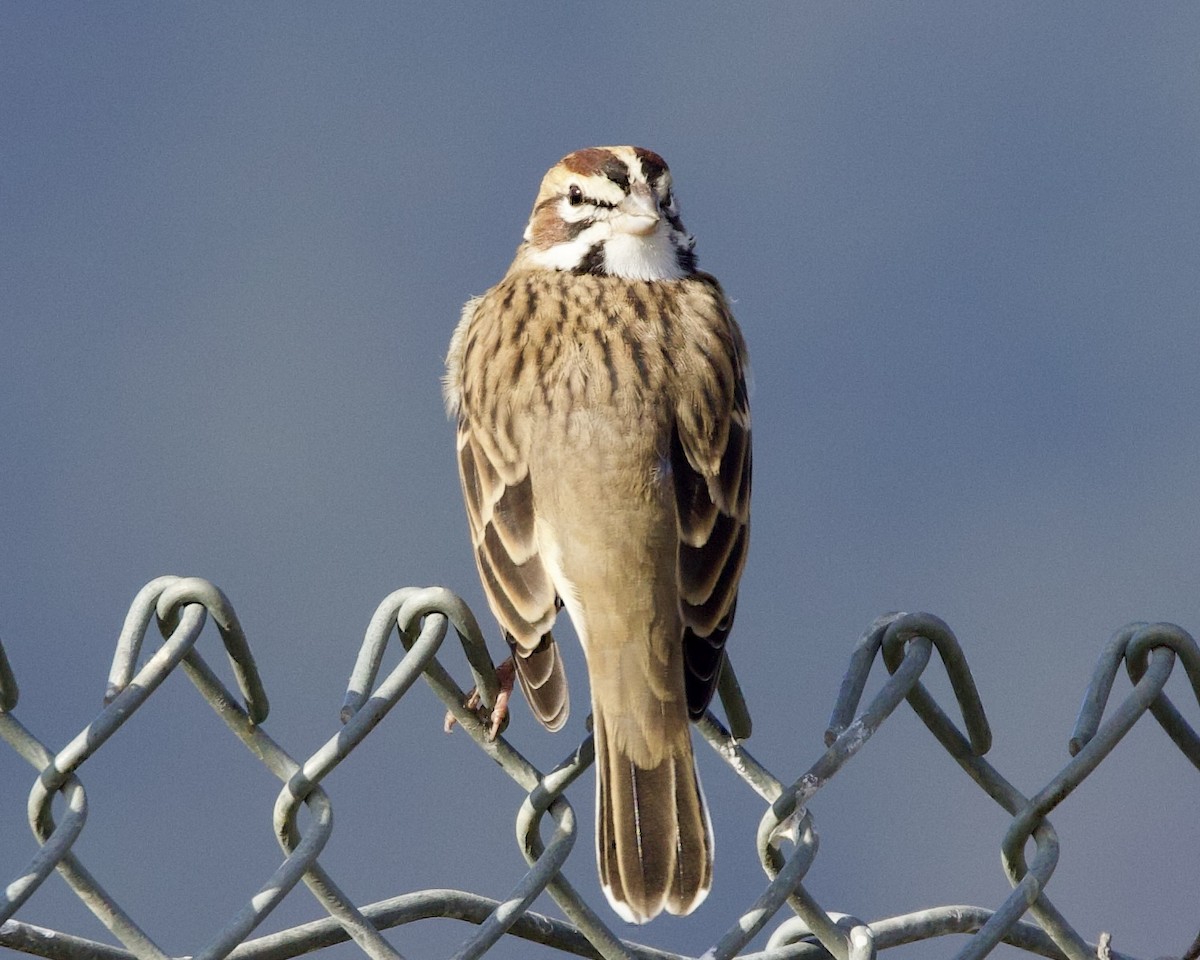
{"x":653,"y":166}
{"x":596,"y":161}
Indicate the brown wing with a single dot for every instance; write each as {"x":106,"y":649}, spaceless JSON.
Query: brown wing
{"x":500,"y":515}
{"x":711,"y":462}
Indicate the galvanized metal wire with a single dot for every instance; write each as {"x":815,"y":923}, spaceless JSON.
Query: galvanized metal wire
{"x":787,"y":839}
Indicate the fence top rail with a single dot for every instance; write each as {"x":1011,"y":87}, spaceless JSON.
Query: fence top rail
{"x":417,"y":621}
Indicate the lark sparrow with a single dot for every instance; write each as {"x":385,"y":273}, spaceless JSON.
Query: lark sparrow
{"x":604,"y":450}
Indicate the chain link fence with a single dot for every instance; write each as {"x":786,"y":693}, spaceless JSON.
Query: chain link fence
{"x":787,"y":840}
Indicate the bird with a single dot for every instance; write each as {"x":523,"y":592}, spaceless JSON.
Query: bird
{"x":599,"y":392}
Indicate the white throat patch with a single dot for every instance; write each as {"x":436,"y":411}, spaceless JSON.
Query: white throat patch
{"x":651,"y":257}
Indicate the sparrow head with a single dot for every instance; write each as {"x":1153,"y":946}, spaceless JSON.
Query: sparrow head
{"x":609,"y":211}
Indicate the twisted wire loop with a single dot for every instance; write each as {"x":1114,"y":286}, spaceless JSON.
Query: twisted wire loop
{"x":57,"y":845}
{"x":786,"y":841}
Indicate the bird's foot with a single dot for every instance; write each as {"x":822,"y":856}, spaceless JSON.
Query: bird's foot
{"x":506,"y":674}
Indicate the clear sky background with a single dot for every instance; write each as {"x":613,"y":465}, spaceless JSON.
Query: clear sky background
{"x":962,"y":239}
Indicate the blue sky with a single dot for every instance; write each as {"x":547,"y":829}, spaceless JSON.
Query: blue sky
{"x":962,"y":240}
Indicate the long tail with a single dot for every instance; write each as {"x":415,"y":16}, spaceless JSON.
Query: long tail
{"x":654,"y":843}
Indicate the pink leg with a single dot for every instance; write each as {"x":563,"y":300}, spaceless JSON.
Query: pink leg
{"x":506,"y":673}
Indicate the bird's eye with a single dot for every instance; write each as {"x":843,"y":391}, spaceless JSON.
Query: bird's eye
{"x":574,"y":195}
{"x":668,"y":199}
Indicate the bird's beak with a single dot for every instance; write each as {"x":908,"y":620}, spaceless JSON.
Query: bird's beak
{"x":638,"y":212}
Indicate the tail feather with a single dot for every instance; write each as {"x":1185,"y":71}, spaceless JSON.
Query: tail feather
{"x":654,"y":843}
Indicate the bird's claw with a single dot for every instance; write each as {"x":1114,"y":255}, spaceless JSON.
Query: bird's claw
{"x":497,"y":721}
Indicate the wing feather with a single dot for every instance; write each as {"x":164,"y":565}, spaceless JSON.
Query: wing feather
{"x":712,"y":465}
{"x":500,"y":512}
